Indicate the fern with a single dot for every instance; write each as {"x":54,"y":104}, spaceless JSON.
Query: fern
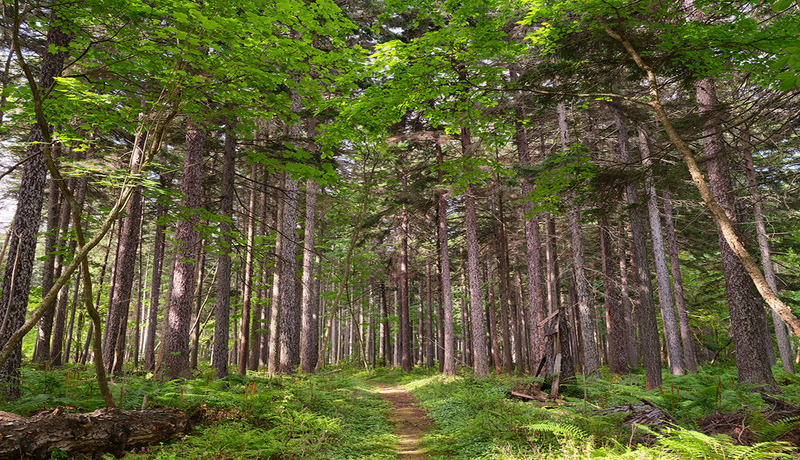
{"x":558,"y":429}
{"x":693,"y":444}
{"x":772,"y":431}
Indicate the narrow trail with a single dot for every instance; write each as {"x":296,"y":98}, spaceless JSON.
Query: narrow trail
{"x":410,"y":423}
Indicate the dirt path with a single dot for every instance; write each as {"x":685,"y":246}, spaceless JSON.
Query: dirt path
{"x":410,"y":423}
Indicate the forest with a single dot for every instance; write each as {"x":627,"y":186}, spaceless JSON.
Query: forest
{"x":542,"y":196}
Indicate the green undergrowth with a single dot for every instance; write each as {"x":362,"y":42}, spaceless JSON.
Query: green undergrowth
{"x":253,"y":417}
{"x":474,"y":418}
{"x":338,"y":416}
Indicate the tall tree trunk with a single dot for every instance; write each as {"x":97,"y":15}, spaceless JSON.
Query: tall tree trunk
{"x":627,"y":304}
{"x":256,"y":311}
{"x":194,"y":332}
{"x":247,"y":292}
{"x":137,"y":336}
{"x":84,"y":356}
{"x":448,"y":335}
{"x":41,"y":352}
{"x":70,"y":329}
{"x":289,"y":309}
{"x":677,"y":286}
{"x":552,"y":282}
{"x":22,"y":247}
{"x":421,"y":324}
{"x":385,"y":330}
{"x":402,"y":307}
{"x":175,"y":341}
{"x":505,"y":289}
{"x":480,"y":354}
{"x":535,"y":311}
{"x":256,"y":304}
{"x":617,"y":346}
{"x":491,"y":320}
{"x":430,"y":349}
{"x":309,"y":333}
{"x":159,"y":241}
{"x":668,"y":319}
{"x":781,"y":336}
{"x":646,"y":314}
{"x":747,"y":316}
{"x":124,"y":271}
{"x":591,"y":360}
{"x":60,"y":316}
{"x":219,"y":354}
{"x":466,"y":338}
{"x":268,"y":219}
{"x":398,"y":340}
{"x":66,"y":251}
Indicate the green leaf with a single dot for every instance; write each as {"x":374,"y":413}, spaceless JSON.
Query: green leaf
{"x":781,"y":5}
{"x":787,"y":83}
{"x":778,"y":65}
{"x":181,"y":17}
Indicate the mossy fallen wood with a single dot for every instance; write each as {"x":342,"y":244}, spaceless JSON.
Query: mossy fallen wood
{"x":98,"y":432}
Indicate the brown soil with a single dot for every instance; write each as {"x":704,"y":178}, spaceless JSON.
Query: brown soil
{"x":410,"y":423}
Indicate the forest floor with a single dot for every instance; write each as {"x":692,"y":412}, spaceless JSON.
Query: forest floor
{"x":410,"y":422}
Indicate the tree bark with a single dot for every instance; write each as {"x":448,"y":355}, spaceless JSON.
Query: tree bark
{"x":275,"y":308}
{"x":103,"y":430}
{"x":668,"y":319}
{"x":268,"y":218}
{"x":506,"y":309}
{"x":247,"y":292}
{"x":194,"y":331}
{"x":219,"y":354}
{"x":175,"y":355}
{"x":70,"y":328}
{"x":430,"y":349}
{"x":591,"y":360}
{"x":535,"y":311}
{"x":617,"y":346}
{"x":124,"y":271}
{"x":421,"y":324}
{"x":553,"y":288}
{"x":289,"y":310}
{"x":747,"y":316}
{"x":402,"y":306}
{"x":781,"y":336}
{"x":159,"y":241}
{"x":137,"y":336}
{"x":677,"y":286}
{"x":449,"y":344}
{"x":491,"y":320}
{"x":19,"y":265}
{"x":308,"y":344}
{"x":385,"y":346}
{"x":66,"y":251}
{"x":41,"y":352}
{"x":480,"y":355}
{"x":646,"y":314}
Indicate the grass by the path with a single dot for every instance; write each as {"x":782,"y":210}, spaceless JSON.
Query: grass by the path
{"x":474,"y":419}
{"x":300,"y":416}
{"x":338,"y":417}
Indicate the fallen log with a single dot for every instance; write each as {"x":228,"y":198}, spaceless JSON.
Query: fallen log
{"x":538,"y":397}
{"x":104,"y":430}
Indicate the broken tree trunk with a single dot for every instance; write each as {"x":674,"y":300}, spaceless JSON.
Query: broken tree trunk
{"x":104,"y":430}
